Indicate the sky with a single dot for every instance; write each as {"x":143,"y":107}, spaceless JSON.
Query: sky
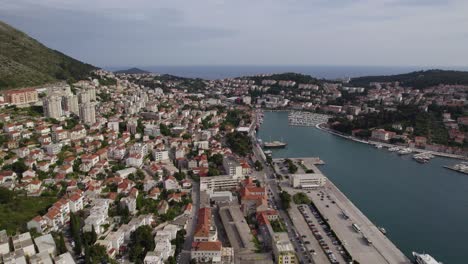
{"x":111,"y":33}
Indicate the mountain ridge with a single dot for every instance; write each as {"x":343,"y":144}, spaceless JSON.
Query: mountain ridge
{"x":133,"y":70}
{"x":25,"y":61}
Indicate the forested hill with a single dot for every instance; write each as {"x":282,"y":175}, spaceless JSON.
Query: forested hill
{"x":289,"y":76}
{"x":26,"y":62}
{"x":132,"y":71}
{"x":419,"y":79}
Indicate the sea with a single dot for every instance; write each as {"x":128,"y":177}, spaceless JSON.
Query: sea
{"x":423,"y":207}
{"x":321,"y":72}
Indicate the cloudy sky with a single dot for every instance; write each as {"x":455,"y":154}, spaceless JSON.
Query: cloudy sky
{"x":248,"y":32}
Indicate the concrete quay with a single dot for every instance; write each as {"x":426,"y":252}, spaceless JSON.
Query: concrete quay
{"x":331,"y":203}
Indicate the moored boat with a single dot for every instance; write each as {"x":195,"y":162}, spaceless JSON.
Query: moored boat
{"x":424,"y":259}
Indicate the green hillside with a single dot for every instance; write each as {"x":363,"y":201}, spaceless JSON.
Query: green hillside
{"x":419,"y":79}
{"x":132,"y":71}
{"x":26,"y":62}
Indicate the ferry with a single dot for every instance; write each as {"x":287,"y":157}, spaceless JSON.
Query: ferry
{"x":275,"y":144}
{"x":424,"y":259}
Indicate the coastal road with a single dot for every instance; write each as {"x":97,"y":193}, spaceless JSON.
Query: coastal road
{"x":269,"y":181}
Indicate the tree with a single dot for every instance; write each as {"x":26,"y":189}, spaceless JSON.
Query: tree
{"x":213,"y":171}
{"x":141,"y":242}
{"x":89,"y":238}
{"x":258,"y":165}
{"x":165,"y":131}
{"x":301,"y":198}
{"x":61,"y":247}
{"x":96,"y":254}
{"x":180,"y":176}
{"x":216,"y":159}
{"x":75,"y":228}
{"x":239,"y":143}
{"x":140,"y":175}
{"x":19,"y":167}
{"x":285,"y":199}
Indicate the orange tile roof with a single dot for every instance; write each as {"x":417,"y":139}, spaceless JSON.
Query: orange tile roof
{"x":207,"y":246}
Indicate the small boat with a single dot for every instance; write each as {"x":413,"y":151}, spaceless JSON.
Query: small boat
{"x":378,"y":146}
{"x":424,"y":259}
{"x":381,"y":229}
{"x":393,"y":149}
{"x":405,"y":151}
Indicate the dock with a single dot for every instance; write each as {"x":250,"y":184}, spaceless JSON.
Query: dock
{"x":369,"y":244}
{"x":299,"y":118}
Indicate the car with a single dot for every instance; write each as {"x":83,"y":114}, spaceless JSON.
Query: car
{"x":304,"y":236}
{"x":307,"y":242}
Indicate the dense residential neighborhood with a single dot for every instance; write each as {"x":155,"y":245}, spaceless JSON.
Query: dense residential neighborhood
{"x":125,"y":172}
{"x":148,"y":168}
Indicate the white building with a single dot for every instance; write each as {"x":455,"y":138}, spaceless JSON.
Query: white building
{"x":98,"y":216}
{"x":232,"y":167}
{"x":23,"y":242}
{"x":4,"y":243}
{"x":70,"y":104}
{"x":88,"y":113}
{"x":45,"y":243}
{"x":209,"y":252}
{"x":160,"y":155}
{"x":219,"y":183}
{"x":65,"y":258}
{"x":130,"y":203}
{"x":53,"y":107}
{"x":307,"y":181}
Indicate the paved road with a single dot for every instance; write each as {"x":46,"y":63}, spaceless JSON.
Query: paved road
{"x":184,"y":256}
{"x":269,"y":181}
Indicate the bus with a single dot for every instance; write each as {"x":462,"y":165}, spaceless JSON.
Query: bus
{"x":356,"y":228}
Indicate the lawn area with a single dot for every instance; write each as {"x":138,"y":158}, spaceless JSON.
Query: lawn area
{"x":277,"y":226}
{"x":17,"y":210}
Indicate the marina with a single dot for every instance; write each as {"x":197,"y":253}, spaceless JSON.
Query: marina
{"x":462,"y":167}
{"x":296,"y":118}
{"x":392,"y":191}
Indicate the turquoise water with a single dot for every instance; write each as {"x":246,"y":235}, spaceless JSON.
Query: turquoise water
{"x":424,"y":207}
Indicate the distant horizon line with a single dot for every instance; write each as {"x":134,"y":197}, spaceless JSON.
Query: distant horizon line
{"x":288,"y":65}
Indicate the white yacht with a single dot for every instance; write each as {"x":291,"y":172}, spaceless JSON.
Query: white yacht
{"x":393,"y":149}
{"x":424,"y":259}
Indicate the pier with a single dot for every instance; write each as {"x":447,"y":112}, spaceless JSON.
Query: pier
{"x":367,"y":244}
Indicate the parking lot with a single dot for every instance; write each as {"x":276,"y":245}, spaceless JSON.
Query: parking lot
{"x":328,"y":242}
{"x":306,"y":238}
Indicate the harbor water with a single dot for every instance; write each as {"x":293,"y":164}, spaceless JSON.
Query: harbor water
{"x":423,"y":207}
